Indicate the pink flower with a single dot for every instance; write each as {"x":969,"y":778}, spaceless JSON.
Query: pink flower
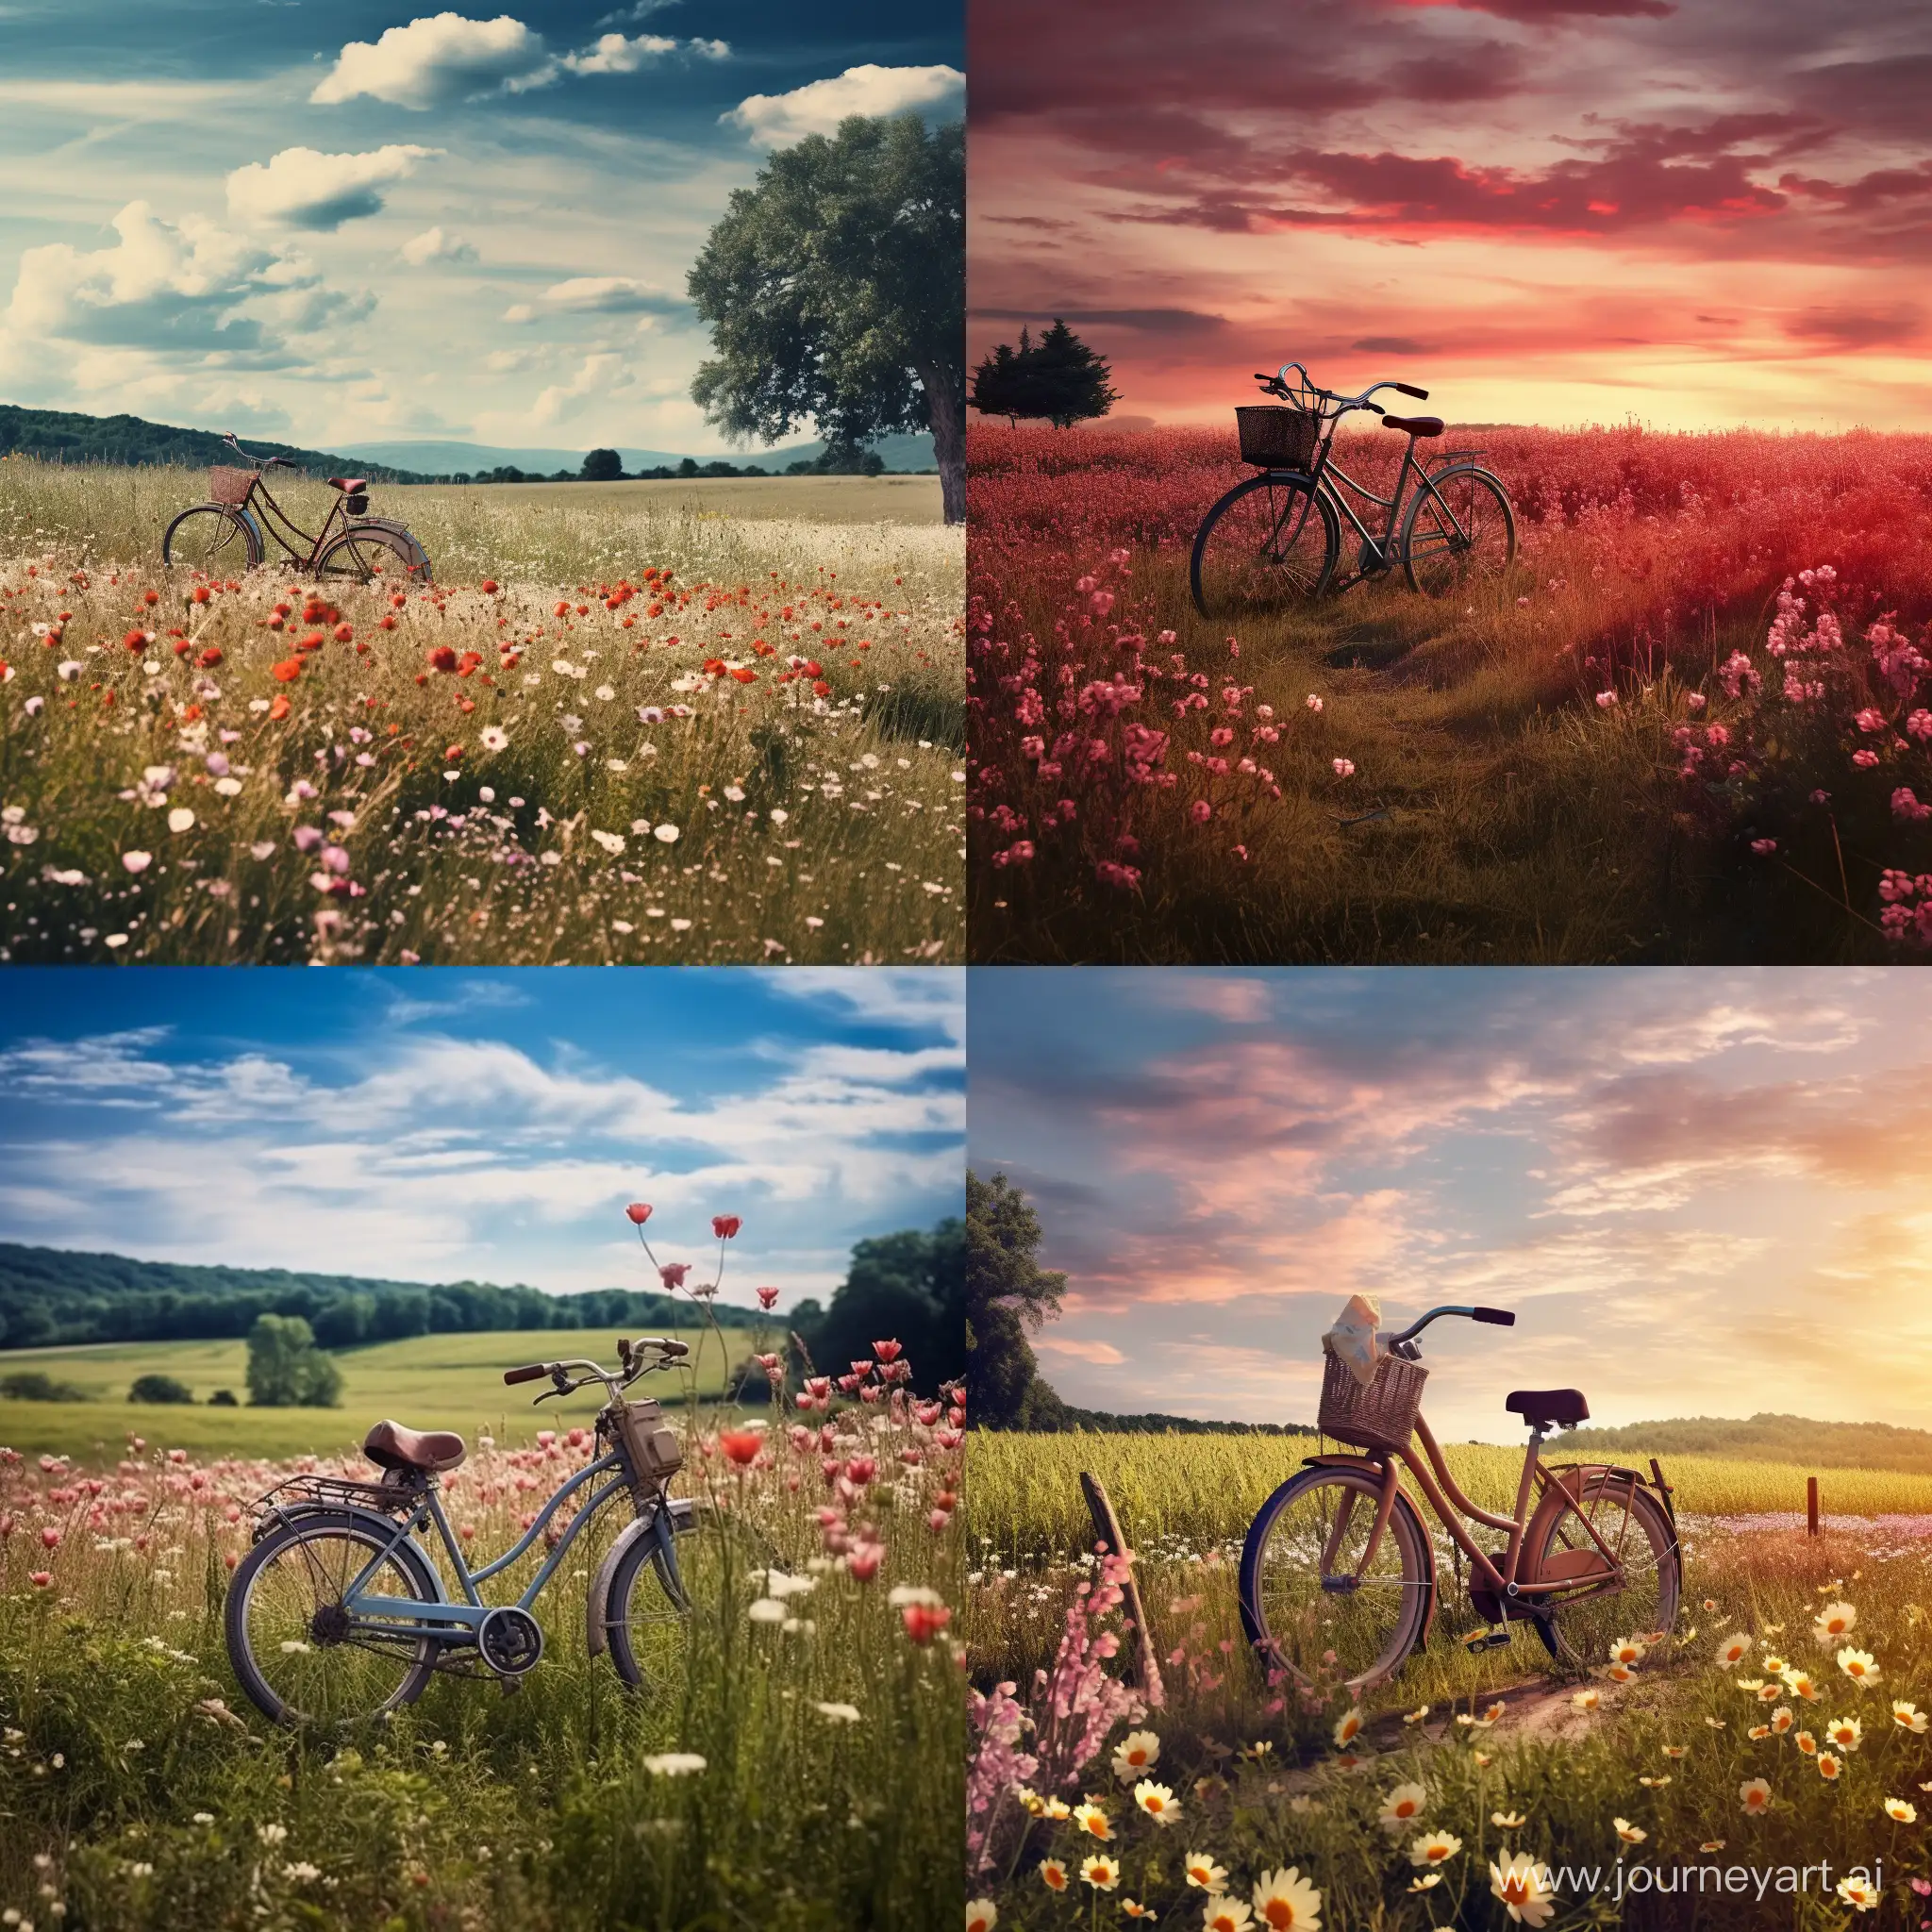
{"x":1764,"y":848}
{"x":1696,"y":701}
{"x":1200,"y":811}
{"x":40,"y":1578}
{"x":1605,"y":699}
{"x":673,"y":1273}
{"x":1905,"y":805}
{"x":1869,"y":719}
{"x":640,"y":1212}
{"x":924,"y":1621}
{"x":50,"y":1538}
{"x":1864,"y":760}
{"x":1345,"y":768}
{"x":887,"y":1351}
{"x":1920,"y":724}
{"x":1315,"y":703}
{"x":767,"y":1296}
{"x":740,"y":1445}
{"x":725,"y":1226}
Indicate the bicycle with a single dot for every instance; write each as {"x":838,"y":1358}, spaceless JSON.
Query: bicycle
{"x":229,"y":531}
{"x":1339,"y":1575}
{"x":1279,"y":534}
{"x":338,"y":1612}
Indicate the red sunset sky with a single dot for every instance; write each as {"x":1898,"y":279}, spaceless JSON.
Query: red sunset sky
{"x":1702,"y":213}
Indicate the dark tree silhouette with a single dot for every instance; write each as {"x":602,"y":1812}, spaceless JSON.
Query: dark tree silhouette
{"x":1059,"y":378}
{"x":1007,"y":1293}
{"x":603,"y":466}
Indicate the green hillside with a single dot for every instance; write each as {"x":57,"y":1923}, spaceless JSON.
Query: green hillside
{"x":59,"y":436}
{"x":1793,"y":1439}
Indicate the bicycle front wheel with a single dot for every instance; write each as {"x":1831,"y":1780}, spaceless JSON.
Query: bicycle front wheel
{"x":211,"y":537}
{"x":657,"y":1609}
{"x":1270,"y":541}
{"x":1639,"y":1534}
{"x":301,"y":1655}
{"x":365,"y":551}
{"x":1314,"y":1605}
{"x":1459,"y":533}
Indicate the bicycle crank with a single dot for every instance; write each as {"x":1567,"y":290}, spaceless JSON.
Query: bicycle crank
{"x":511,"y":1640}
{"x":1485,"y":1639}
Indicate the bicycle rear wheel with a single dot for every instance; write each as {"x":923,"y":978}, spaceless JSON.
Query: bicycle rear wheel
{"x":1311,"y":1606}
{"x":299,"y":1655}
{"x":1459,"y":532}
{"x":366,"y":552}
{"x":212,"y":537}
{"x":1270,"y":541}
{"x":658,"y":1610}
{"x":1638,"y":1532}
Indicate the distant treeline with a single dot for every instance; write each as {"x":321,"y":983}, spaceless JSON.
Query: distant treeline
{"x":58,"y":436}
{"x":52,"y":1297}
{"x":1766,"y":1439}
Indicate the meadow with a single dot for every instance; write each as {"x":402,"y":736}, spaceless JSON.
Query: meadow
{"x":647,"y":722}
{"x":1407,"y":1810}
{"x":1630,"y":751}
{"x":802,"y":1772}
{"x":443,"y":1381}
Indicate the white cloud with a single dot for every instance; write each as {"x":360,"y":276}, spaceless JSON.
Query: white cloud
{"x":601,"y":374}
{"x":820,"y":105}
{"x":440,"y":58}
{"x":613,"y":53}
{"x":303,"y":188}
{"x":608,"y":295}
{"x":436,"y":244}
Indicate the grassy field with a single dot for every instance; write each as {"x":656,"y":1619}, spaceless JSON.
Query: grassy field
{"x":810,"y":499}
{"x":1262,"y":1784}
{"x":674,"y":729}
{"x":1612,"y":755}
{"x":430,"y":1382}
{"x":797,"y":1772}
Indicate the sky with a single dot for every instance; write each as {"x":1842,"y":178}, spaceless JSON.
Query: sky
{"x":1697,"y":213}
{"x":336,"y":224}
{"x":1703,"y":1191}
{"x":487,"y":1125}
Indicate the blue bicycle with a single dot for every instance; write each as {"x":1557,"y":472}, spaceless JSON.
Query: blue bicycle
{"x":340,"y":1613}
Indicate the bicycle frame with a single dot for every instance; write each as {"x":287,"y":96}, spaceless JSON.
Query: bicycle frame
{"x":260,"y":489}
{"x":448,"y":1621}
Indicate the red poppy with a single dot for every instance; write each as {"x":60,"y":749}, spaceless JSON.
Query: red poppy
{"x":136,"y":640}
{"x":201,"y":594}
{"x":673,"y":1273}
{"x":489,"y":586}
{"x":740,"y":1445}
{"x":453,"y":753}
{"x":443,"y":659}
{"x":725,"y":1226}
{"x":211,"y":657}
{"x":640,"y":1211}
{"x":345,"y":633}
{"x":887,"y":1351}
{"x":767,"y":1297}
{"x":288,"y":671}
{"x":924,"y":1621}
{"x":280,"y":709}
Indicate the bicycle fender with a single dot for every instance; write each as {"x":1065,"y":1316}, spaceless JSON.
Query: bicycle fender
{"x":395,"y":529}
{"x":288,"y":1514}
{"x":597,"y":1605}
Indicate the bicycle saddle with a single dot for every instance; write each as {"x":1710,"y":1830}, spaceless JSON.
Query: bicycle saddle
{"x":1543,"y":1408}
{"x":350,"y":485}
{"x":392,"y":1446}
{"x":1415,"y":426}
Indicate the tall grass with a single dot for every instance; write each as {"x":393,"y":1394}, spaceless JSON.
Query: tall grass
{"x":661,"y":736}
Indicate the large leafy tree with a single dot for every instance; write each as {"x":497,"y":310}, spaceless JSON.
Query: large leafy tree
{"x":908,"y":1287}
{"x":1007,"y":1293}
{"x":836,"y":289}
{"x":1058,"y":377}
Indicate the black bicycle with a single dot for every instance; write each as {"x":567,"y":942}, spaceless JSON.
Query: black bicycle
{"x":1277,"y":536}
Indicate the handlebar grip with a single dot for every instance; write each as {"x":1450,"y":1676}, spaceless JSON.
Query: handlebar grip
{"x":672,"y":1350}
{"x":1376,"y":407}
{"x":1422,"y":395}
{"x":530,"y":1372}
{"x":1500,"y":1318}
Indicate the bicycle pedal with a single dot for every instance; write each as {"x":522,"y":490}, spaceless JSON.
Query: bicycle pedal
{"x":510,"y":1685}
{"x":1485,"y":1639}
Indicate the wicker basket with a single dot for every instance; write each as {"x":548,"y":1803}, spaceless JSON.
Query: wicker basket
{"x":650,"y":1443}
{"x":1379,"y":1417}
{"x":226,"y":484}
{"x":1278,"y":439}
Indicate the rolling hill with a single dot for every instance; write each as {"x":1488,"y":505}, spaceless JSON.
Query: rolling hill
{"x":1766,"y":1438}
{"x":900,"y":452}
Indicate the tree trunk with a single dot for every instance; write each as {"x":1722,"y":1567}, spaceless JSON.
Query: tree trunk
{"x":949,"y":421}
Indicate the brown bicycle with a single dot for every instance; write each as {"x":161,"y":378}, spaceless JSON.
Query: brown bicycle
{"x":1339,"y":1579}
{"x":229,"y":532}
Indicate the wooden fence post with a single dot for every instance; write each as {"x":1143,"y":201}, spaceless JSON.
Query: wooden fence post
{"x":1811,"y":1505}
{"x":1144,"y":1667}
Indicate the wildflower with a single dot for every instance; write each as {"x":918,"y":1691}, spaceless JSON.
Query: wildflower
{"x":1053,"y":1874}
{"x":1315,"y":703}
{"x":1802,"y":1684}
{"x":1204,"y":1874}
{"x":1286,"y":1902}
{"x":666,"y":835}
{"x":839,"y":1713}
{"x":1848,"y":1733}
{"x":1524,"y":1887}
{"x":1133,"y":1908}
{"x":638,"y":1212}
{"x":725,"y":1226}
{"x":673,"y":1764}
{"x":1754,"y":1794}
{"x":136,"y":862}
{"x":1415,"y":1717}
{"x":1858,"y":1665}
{"x":1833,"y":1623}
{"x":1102,"y":1873}
{"x":767,"y":1296}
{"x":1587,"y":1700}
{"x":740,"y":1445}
{"x":494,"y":738}
{"x":1507,"y":1821}
{"x":1348,"y":1726}
{"x":1090,"y":1817}
{"x":1433,"y":1848}
{"x":1630,"y":1834}
{"x":1625,"y":1650}
{"x":1226,"y":1915}
{"x":982,"y":1915}
{"x":1426,"y":1881}
{"x":1402,"y":1807}
{"x":1909,"y":1717}
{"x":1830,"y":1766}
{"x":1135,"y":1754}
{"x":1901,"y":1812}
{"x":1677,"y":1750}
{"x":1345,"y":768}
{"x":1807,"y":1744}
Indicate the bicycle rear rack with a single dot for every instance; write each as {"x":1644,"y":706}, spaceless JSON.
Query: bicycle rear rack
{"x":391,"y":1496}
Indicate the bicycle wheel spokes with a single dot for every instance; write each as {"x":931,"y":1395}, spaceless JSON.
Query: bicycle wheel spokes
{"x":1331,"y":1612}
{"x":717,"y":1567}
{"x":1637,"y":1536}
{"x":1268,"y":544}
{"x":210,"y":539}
{"x":1460,"y":534}
{"x":324,"y":1664}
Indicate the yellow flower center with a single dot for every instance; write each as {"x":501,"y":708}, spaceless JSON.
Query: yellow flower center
{"x":1515,"y":1891}
{"x":1279,"y":1913}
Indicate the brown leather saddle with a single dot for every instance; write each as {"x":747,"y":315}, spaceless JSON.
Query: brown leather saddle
{"x":392,"y":1446}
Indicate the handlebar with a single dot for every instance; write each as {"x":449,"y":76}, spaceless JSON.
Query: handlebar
{"x":266,"y":462}
{"x":1499,"y":1318}
{"x":1307,"y":388}
{"x":639,"y":1358}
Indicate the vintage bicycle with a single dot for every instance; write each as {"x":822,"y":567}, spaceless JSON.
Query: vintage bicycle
{"x":339,"y":1612}
{"x":1277,"y":536}
{"x":1339,"y":1576}
{"x":229,"y":532}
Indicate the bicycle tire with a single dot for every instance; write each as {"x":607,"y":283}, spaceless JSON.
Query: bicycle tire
{"x":359,"y":551}
{"x":1469,"y":512}
{"x":1233,"y":573}
{"x":249,"y":1673}
{"x":181,"y":543}
{"x":1296,"y":1636}
{"x":649,"y":1633}
{"x":1582,"y":1628}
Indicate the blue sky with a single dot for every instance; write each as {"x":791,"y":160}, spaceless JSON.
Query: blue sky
{"x":484,"y":1125}
{"x":1704,"y":1193}
{"x":362,"y":222}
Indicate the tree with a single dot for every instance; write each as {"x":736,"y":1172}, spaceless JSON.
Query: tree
{"x":1058,"y":378}
{"x":908,"y":1288}
{"x":286,"y":1370}
{"x":836,"y":289}
{"x":160,"y":1388}
{"x":1007,"y":1293}
{"x":603,"y":466}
